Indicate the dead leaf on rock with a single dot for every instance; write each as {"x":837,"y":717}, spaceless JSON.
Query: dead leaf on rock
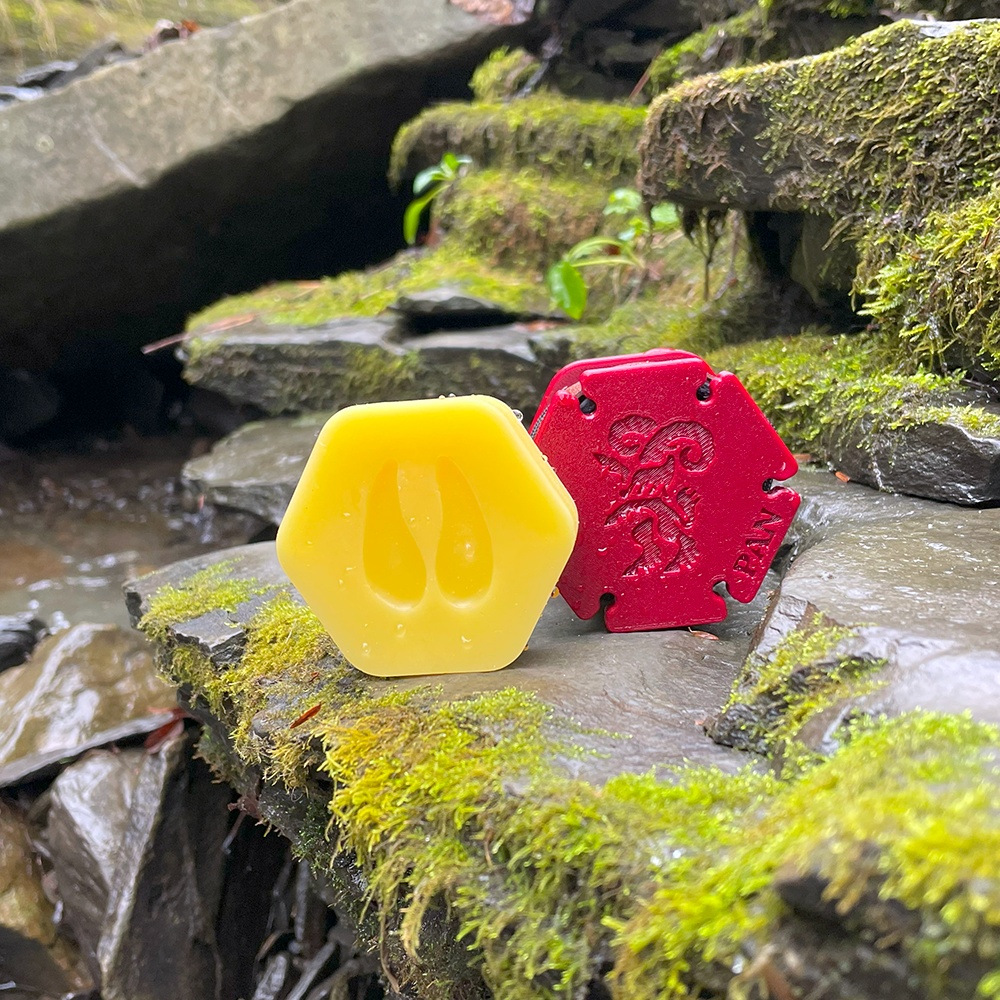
{"x":498,"y":11}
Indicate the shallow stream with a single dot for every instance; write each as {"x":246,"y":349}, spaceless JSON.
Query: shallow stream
{"x":73,"y":528}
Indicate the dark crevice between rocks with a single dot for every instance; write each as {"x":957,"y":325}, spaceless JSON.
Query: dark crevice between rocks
{"x":83,"y":291}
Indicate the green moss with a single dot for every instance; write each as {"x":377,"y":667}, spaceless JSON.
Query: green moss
{"x":502,"y":74}
{"x":211,"y":589}
{"x":815,"y":388}
{"x":919,"y":793}
{"x":733,"y":42}
{"x":556,"y":134}
{"x":368,"y":293}
{"x":522,"y":220}
{"x":775,"y":696}
{"x":672,"y":875}
{"x":894,"y":121}
{"x":936,"y":287}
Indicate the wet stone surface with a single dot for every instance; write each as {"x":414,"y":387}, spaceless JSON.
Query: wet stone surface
{"x":916,"y":583}
{"x":652,"y":689}
{"x":256,"y":468}
{"x":84,"y":688}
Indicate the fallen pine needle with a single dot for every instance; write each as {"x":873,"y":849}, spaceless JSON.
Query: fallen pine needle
{"x":306,"y":715}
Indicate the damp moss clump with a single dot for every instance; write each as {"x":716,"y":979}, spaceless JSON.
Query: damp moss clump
{"x":733,"y":42}
{"x":896,"y":121}
{"x":816,"y":389}
{"x":522,"y":220}
{"x":656,"y":885}
{"x":214,"y":588}
{"x":502,"y":74}
{"x":369,"y":293}
{"x":556,"y":134}
{"x":905,"y":811}
{"x":775,"y":696}
{"x":935,"y":290}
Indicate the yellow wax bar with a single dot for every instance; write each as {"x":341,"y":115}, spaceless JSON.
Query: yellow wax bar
{"x":427,"y":535}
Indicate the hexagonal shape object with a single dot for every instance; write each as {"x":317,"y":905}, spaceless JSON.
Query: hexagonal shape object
{"x":672,"y":468}
{"x":427,"y":535}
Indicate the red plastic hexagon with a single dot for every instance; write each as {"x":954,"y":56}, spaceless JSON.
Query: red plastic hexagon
{"x":671,"y":468}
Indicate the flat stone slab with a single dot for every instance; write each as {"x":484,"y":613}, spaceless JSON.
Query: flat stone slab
{"x":257,"y":467}
{"x":294,"y":109}
{"x":651,"y":689}
{"x":83,"y":688}
{"x":290,"y":369}
{"x":479,"y":805}
{"x":915,"y":583}
{"x":941,"y":461}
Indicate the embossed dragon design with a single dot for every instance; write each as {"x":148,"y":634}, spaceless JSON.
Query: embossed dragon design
{"x":654,"y":500}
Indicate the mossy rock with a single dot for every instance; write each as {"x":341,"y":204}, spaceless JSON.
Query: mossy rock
{"x":502,"y":74}
{"x":33,"y":33}
{"x":836,"y":398}
{"x":767,"y":31}
{"x":648,"y":885}
{"x":369,"y":293}
{"x":555,"y":134}
{"x":933,"y":289}
{"x":891,"y":122}
{"x":521,"y":220}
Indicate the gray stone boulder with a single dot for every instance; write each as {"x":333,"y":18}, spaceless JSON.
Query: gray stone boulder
{"x":257,"y":467}
{"x":297,"y":369}
{"x":214,"y":163}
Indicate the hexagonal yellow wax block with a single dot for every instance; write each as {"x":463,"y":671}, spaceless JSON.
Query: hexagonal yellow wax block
{"x":427,"y":535}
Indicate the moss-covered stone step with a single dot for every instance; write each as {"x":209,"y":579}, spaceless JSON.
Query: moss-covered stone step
{"x":552,"y":133}
{"x":893,"y":120}
{"x":484,"y":850}
{"x":874,"y":152}
{"x":888,"y":606}
{"x":839,"y":399}
{"x":293,"y":369}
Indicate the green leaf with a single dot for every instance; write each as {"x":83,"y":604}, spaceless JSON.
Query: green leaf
{"x":567,"y":288}
{"x":449,"y":163}
{"x":425,"y":178}
{"x":664,"y":214}
{"x":411,"y":217}
{"x":623,"y":201}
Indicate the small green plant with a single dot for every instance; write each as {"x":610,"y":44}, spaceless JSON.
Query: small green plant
{"x":629,"y":249}
{"x":427,"y":185}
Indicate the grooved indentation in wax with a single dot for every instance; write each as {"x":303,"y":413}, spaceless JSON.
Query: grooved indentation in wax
{"x":464,"y":565}
{"x":393,"y":564}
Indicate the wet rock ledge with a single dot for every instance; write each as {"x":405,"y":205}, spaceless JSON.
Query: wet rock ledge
{"x":565,"y":827}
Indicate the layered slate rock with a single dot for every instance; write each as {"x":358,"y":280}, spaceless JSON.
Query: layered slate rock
{"x":83,"y":688}
{"x":622,"y":703}
{"x":887,"y":607}
{"x":286,"y":369}
{"x":482,"y":792}
{"x":650,"y":688}
{"x":923,"y":434}
{"x":257,"y":467}
{"x":164,"y":895}
{"x":863,"y":167}
{"x":215,"y":163}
